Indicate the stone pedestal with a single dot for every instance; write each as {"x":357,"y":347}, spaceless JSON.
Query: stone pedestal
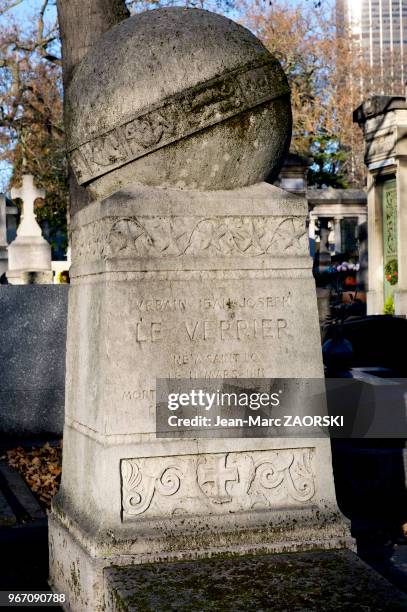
{"x":168,"y":283}
{"x":321,"y":580}
{"x":29,"y":261}
{"x":188,"y":266}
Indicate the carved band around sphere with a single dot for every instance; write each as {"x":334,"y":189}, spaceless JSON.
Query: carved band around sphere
{"x":179,"y":116}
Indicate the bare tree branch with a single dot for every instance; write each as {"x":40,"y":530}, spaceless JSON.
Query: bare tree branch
{"x":40,"y":26}
{"x":9,"y":5}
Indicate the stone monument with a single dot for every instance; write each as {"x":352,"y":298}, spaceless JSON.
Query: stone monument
{"x":186,"y":260}
{"x":384,"y":123}
{"x":29,"y":255}
{"x":3,"y":235}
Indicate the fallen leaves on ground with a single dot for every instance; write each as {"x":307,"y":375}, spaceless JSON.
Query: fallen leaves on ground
{"x":40,"y":467}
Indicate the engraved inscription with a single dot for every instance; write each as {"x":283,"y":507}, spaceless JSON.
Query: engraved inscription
{"x":195,"y":109}
{"x":208,"y":330}
{"x":181,"y":359}
{"x":215,"y":483}
{"x":269,"y":301}
{"x":238,"y":329}
{"x":162,"y":304}
{"x":216,"y":365}
{"x":139,"y":394}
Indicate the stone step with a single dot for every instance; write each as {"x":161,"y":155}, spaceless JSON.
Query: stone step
{"x":7,"y":516}
{"x":307,"y":582}
{"x":18,"y":506}
{"x":23,"y":535}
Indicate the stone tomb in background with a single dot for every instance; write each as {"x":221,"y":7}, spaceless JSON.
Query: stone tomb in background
{"x":384,"y":123}
{"x":163,"y":281}
{"x":3,"y":235}
{"x":29,"y":255}
{"x":32,"y":360}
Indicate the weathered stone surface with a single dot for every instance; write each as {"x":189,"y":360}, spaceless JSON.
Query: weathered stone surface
{"x":157,"y":485}
{"x":160,"y":278}
{"x":32,"y":365}
{"x":164,"y":90}
{"x":329,"y":581}
{"x":173,"y":110}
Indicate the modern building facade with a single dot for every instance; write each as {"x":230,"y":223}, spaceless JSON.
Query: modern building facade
{"x":378,"y":31}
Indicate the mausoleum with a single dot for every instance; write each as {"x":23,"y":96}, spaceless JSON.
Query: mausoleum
{"x":384,"y":123}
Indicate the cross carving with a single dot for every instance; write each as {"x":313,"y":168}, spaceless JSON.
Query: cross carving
{"x":219,"y":475}
{"x":28,"y":193}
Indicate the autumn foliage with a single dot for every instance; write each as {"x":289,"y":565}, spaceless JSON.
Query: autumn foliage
{"x":40,"y":468}
{"x":324,"y":75}
{"x":31,"y":122}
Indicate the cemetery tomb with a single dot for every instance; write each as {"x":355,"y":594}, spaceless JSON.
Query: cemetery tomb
{"x":383,"y":120}
{"x":184,"y":254}
{"x":3,"y":235}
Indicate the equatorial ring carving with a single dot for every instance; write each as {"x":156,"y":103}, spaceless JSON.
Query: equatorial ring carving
{"x":183,"y":114}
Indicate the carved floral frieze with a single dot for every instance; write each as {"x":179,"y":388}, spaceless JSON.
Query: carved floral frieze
{"x":160,"y":237}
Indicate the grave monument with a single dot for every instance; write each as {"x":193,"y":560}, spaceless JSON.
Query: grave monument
{"x":29,"y":255}
{"x":383,"y":120}
{"x":187,"y":265}
{"x":3,"y":235}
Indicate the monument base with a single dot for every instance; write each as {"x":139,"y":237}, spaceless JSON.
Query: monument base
{"x":169,"y":284}
{"x":375,"y":303}
{"x":34,"y":277}
{"x":324,"y":580}
{"x":28,"y":255}
{"x":79,"y":559}
{"x":400,"y":303}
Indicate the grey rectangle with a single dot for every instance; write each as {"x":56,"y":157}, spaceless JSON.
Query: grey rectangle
{"x":306,"y":408}
{"x":33,"y":320}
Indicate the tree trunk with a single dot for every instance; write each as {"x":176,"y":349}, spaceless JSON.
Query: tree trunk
{"x":81,"y":24}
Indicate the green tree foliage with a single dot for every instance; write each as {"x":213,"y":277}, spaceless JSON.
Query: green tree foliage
{"x":328,"y":167}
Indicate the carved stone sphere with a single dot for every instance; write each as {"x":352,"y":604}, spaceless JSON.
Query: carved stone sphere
{"x":178,"y":98}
